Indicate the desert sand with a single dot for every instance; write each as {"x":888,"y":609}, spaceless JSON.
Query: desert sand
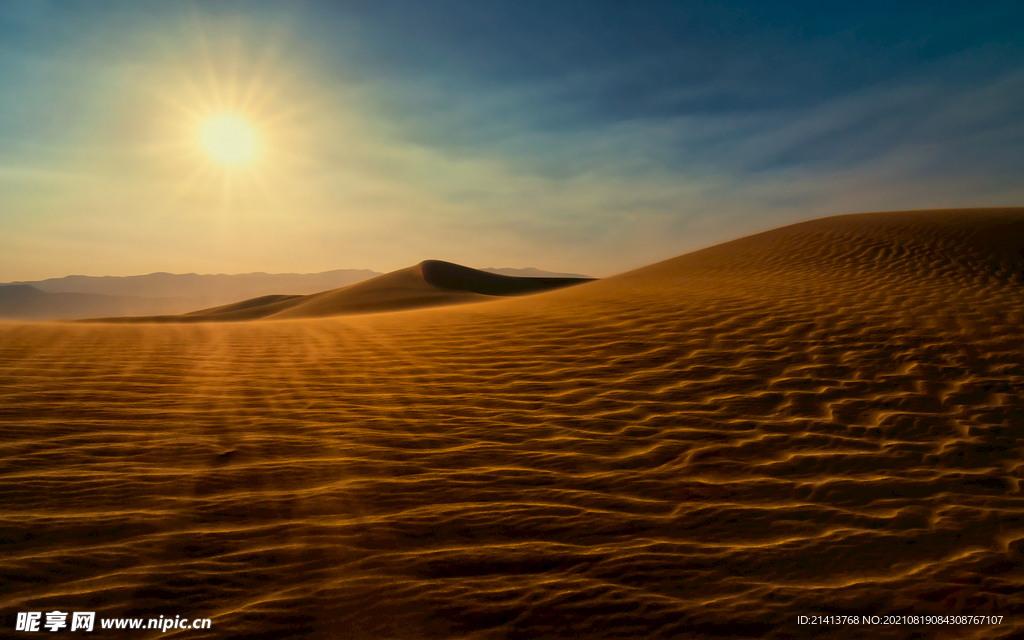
{"x":826,"y":418}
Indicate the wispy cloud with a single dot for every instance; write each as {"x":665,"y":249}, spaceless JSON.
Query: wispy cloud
{"x":579,"y":137}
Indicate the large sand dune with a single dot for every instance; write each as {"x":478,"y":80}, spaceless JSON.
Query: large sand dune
{"x":431,"y":283}
{"x":822,"y":419}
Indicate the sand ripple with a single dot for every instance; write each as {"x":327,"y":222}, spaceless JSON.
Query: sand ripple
{"x":823,"y":419}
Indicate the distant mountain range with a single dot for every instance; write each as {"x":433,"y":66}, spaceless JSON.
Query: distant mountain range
{"x":75,"y":297}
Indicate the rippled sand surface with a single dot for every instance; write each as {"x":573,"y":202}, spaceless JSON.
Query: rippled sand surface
{"x":826,"y":418}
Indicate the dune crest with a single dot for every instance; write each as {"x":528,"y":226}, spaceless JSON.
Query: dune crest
{"x":446,"y":275}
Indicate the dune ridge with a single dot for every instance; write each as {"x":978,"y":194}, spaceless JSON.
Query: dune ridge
{"x":454,"y":277}
{"x":820,"y":419}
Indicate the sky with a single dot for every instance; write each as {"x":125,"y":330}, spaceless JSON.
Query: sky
{"x":580,"y":136}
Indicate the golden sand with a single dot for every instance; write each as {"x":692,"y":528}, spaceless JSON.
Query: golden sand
{"x":824,"y":418}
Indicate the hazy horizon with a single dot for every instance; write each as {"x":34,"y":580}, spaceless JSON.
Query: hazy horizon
{"x":575,"y":137}
{"x":541,"y":272}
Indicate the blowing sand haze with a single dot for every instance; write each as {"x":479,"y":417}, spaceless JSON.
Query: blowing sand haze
{"x":821,"y":419}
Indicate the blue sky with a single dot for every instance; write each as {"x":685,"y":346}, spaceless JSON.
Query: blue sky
{"x":592,"y":137}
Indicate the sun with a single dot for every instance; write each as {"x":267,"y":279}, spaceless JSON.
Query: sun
{"x":229,"y":140}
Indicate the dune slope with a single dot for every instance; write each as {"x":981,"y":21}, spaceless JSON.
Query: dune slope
{"x":821,"y":419}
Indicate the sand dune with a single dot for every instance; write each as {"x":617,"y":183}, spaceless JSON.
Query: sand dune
{"x":403,"y":289}
{"x":821,"y":419}
{"x":429,"y":284}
